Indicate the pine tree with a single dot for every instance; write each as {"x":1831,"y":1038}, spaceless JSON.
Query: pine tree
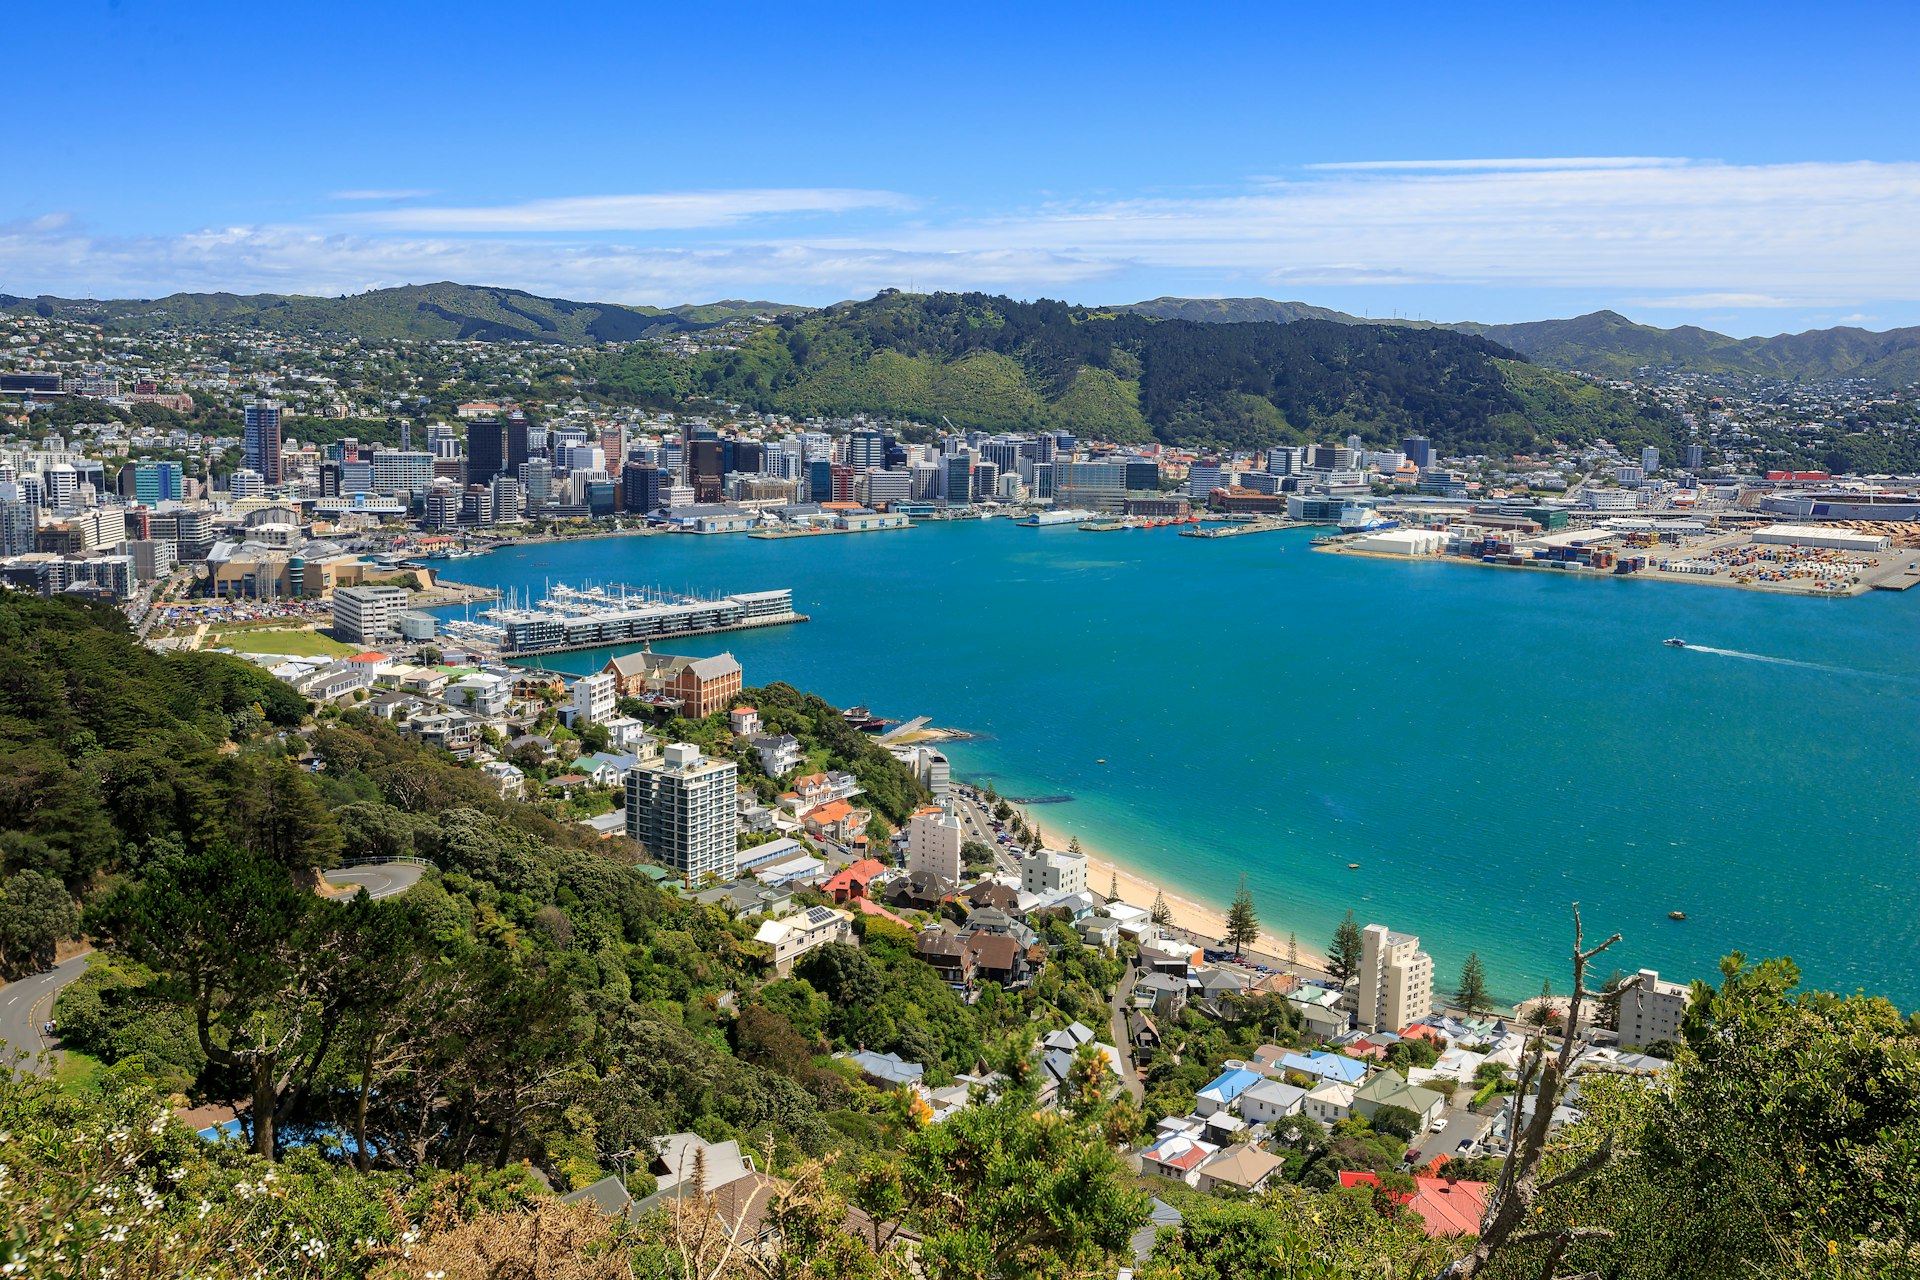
{"x":1073,"y":845}
{"x":1162,"y":913}
{"x":1243,"y":925}
{"x":1343,"y":957}
{"x":1472,"y":992}
{"x":1293,"y":948}
{"x":1113,"y":887}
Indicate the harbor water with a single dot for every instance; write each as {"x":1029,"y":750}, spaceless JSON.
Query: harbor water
{"x":1488,"y":746}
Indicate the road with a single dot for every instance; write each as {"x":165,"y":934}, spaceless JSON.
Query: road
{"x":382,"y":880}
{"x":1462,"y":1124}
{"x":1122,"y":1002}
{"x":27,"y":1004}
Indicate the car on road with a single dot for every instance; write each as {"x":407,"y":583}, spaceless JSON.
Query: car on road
{"x":1440,"y":1124}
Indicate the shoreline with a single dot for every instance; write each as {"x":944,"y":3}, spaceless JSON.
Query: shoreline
{"x":1808,"y":592}
{"x":1140,"y":887}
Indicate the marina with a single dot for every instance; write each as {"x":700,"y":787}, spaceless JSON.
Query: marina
{"x":569,"y":619}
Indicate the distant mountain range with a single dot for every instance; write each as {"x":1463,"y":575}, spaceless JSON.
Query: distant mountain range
{"x":443,"y":310}
{"x":1604,"y":342}
{"x":1607,"y":343}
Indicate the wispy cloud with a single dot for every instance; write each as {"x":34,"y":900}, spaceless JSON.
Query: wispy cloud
{"x":1653,"y":233}
{"x":1512,"y":163}
{"x":383,"y":193}
{"x":663,"y":211}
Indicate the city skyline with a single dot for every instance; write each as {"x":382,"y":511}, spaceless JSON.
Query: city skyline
{"x":1698,"y":168}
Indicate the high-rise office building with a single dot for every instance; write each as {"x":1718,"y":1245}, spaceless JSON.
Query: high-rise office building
{"x":1396,"y":980}
{"x":1695,"y":456}
{"x":958,"y":487}
{"x":519,"y":441}
{"x":487,"y":448}
{"x":1419,"y":451}
{"x":1649,"y":459}
{"x":1143,"y":475}
{"x":683,"y":810}
{"x":820,"y":480}
{"x":262,"y":440}
{"x":866,"y":448}
{"x":643,"y":487}
{"x":749,"y":457}
{"x":705,"y":470}
{"x":536,"y":483}
{"x":156,"y":482}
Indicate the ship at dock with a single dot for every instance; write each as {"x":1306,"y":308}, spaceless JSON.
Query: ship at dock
{"x":571,"y":618}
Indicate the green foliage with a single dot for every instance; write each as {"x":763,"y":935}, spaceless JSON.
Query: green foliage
{"x":36,"y":912}
{"x":990,"y":362}
{"x":1343,"y":957}
{"x":1243,"y":923}
{"x":1396,"y":1121}
{"x":1471,"y":993}
{"x":111,"y":1013}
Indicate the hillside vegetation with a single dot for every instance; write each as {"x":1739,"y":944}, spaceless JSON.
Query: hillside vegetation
{"x":443,"y":310}
{"x":1609,"y":344}
{"x":993,"y":363}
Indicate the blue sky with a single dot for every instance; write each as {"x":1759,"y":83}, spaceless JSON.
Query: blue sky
{"x":1752,"y":168}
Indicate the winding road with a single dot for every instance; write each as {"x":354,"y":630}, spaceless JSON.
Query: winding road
{"x":381,"y":880}
{"x":25,"y":1007}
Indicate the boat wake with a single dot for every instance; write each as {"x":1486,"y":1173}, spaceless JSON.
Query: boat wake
{"x":1794,"y":662}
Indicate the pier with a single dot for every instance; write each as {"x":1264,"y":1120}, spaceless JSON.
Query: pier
{"x":1254,"y":526}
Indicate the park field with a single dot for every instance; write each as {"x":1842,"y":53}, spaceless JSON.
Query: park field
{"x":295,"y":643}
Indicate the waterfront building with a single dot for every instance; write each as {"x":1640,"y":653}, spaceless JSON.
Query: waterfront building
{"x":957,"y":478}
{"x":1651,"y":1009}
{"x":1204,"y":476}
{"x":1396,"y":980}
{"x":683,"y":810}
{"x":368,"y":615}
{"x":1054,"y":873}
{"x":1096,"y":486}
{"x":261,"y":438}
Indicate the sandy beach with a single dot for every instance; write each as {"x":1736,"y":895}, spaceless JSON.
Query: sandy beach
{"x":1209,"y":922}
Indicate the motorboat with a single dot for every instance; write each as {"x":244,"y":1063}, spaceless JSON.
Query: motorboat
{"x":1674,"y":642}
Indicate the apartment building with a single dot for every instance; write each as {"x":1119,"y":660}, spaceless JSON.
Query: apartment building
{"x":1652,"y":1009}
{"x":682,"y":808}
{"x":1052,"y":873}
{"x":1396,"y":979}
{"x":934,"y":837}
{"x":368,"y":615}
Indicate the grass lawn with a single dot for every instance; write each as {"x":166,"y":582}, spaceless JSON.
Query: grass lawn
{"x":79,"y":1073}
{"x":298,"y":644}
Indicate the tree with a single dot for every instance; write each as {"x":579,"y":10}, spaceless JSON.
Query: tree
{"x":1243,"y":924}
{"x":1293,"y":948}
{"x":1343,"y":957}
{"x":36,"y":912}
{"x":1471,"y":994}
{"x":1397,"y":1121}
{"x":1162,"y":913}
{"x":226,"y":935}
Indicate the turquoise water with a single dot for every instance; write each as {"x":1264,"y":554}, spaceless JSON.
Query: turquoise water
{"x":1489,"y":745}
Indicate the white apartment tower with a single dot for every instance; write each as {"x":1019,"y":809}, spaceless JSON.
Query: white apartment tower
{"x":934,"y":837}
{"x":1396,"y":979}
{"x":1052,"y":873}
{"x":683,"y":809}
{"x":1652,"y":1010}
{"x":368,"y":615}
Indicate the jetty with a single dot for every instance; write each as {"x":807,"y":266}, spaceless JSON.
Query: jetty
{"x":1252,"y":526}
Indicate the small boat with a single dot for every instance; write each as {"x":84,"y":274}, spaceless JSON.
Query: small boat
{"x":1353,"y":866}
{"x":1674,"y":642}
{"x":1676,"y":915}
{"x":1101,"y":760}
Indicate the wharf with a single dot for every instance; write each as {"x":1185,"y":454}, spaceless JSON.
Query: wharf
{"x":1235,"y":530}
{"x":821,"y":533}
{"x":513,"y":655}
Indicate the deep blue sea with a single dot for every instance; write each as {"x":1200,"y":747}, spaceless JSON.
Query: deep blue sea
{"x":1488,"y":745}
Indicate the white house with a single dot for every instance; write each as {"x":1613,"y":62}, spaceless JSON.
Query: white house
{"x":484,"y":694}
{"x":1330,"y":1101}
{"x":793,"y":936}
{"x":1270,"y":1100}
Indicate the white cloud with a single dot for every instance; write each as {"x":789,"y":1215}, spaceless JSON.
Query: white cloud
{"x":1679,"y":236}
{"x":382,"y":193}
{"x":1564,"y":162}
{"x":662,"y":211}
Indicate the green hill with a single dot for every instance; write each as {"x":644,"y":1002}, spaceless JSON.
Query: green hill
{"x":993,"y":363}
{"x":443,"y":310}
{"x":1609,"y":344}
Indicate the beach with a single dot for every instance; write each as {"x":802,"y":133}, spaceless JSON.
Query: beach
{"x":1195,"y":917}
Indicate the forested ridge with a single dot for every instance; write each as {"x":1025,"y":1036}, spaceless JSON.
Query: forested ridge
{"x":426,"y":1071}
{"x":993,"y":363}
